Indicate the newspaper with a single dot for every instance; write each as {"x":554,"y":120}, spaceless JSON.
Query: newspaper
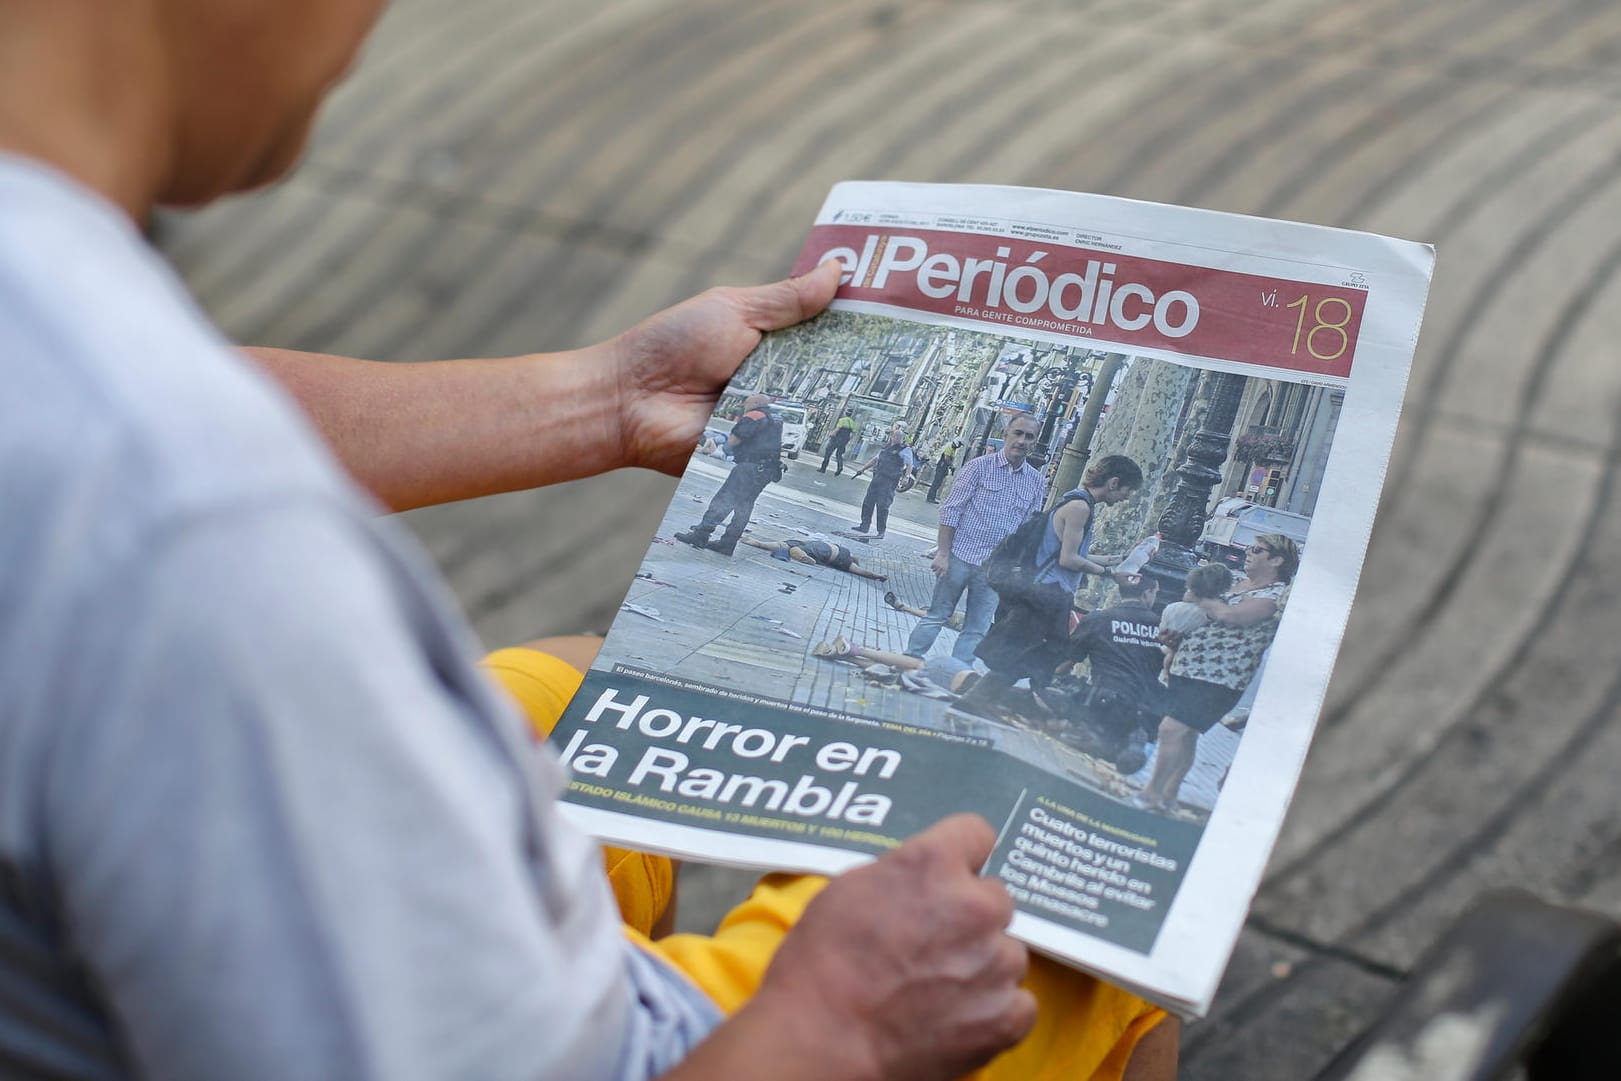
{"x":758,"y":707}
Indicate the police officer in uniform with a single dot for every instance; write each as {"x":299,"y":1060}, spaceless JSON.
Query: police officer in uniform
{"x":842,"y":431}
{"x":1109,"y":718}
{"x":893,"y":463}
{"x":757,"y":461}
{"x":943,"y":468}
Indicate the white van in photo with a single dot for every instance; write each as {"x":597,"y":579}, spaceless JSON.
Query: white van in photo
{"x":793,"y":425}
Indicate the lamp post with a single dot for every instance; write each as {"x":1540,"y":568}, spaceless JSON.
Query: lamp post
{"x":1184,"y":518}
{"x":932,"y":384}
{"x":813,"y":440}
{"x":1068,"y":379}
{"x":1072,"y":463}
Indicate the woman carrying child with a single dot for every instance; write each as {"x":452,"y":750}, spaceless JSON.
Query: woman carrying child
{"x":1211,"y":581}
{"x":1213,"y":663}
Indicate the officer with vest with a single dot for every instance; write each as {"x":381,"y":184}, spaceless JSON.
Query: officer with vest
{"x":842,"y":431}
{"x":893,"y":462}
{"x":756,"y":444}
{"x":943,"y":468}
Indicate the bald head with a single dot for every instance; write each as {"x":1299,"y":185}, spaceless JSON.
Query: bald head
{"x":756,"y":401}
{"x":211,"y":96}
{"x":252,"y":75}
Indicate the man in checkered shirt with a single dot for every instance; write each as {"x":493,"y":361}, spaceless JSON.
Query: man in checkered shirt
{"x":992,"y":495}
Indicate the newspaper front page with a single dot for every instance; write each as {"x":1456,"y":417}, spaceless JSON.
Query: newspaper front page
{"x":804,"y":696}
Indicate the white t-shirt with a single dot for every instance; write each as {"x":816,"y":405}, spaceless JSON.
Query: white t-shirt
{"x":260,"y":815}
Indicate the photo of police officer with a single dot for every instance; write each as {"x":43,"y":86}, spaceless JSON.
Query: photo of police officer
{"x":755,"y":443}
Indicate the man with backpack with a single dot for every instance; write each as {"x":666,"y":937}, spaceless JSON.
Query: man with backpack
{"x":1033,"y":614}
{"x":992,"y":495}
{"x":756,"y":443}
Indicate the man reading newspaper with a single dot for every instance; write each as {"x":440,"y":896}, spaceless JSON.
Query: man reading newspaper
{"x":260,"y":813}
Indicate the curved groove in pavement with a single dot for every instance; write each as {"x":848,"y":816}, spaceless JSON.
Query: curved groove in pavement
{"x":629,"y":175}
{"x":764,"y":117}
{"x":655,"y":33}
{"x":1262,"y":998}
{"x":341,"y":179}
{"x":1233,"y":92}
{"x":380,"y":106}
{"x":1574,"y":310}
{"x":817,"y":140}
{"x":1531,"y":239}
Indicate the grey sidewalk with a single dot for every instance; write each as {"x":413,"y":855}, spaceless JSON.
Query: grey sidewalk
{"x":510,"y":175}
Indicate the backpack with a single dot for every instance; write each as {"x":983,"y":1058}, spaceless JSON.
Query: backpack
{"x":1011,"y":568}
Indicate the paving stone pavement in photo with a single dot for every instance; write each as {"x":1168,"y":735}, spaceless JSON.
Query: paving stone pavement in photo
{"x":504,"y":176}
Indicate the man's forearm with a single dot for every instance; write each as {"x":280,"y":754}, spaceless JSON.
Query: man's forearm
{"x":944,"y":537}
{"x":432,"y":432}
{"x":752,"y":1041}
{"x":428,"y":433}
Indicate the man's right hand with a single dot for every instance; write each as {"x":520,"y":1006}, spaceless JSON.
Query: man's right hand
{"x":903,"y":968}
{"x":940,"y":564}
{"x":664,"y":374}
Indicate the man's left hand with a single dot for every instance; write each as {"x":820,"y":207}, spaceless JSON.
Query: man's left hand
{"x":667,"y":371}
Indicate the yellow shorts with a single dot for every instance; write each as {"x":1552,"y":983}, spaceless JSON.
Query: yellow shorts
{"x":1085,"y":1028}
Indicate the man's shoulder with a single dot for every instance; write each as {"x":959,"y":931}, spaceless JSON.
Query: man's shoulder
{"x":133,"y":401}
{"x":187,"y":426}
{"x":134,"y":414}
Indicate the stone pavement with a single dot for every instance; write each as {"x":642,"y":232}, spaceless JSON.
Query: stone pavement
{"x":506,"y":175}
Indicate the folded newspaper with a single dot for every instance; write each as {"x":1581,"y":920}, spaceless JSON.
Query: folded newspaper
{"x":1225,"y":391}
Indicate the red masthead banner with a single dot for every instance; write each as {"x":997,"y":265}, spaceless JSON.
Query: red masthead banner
{"x":1248,"y":318}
